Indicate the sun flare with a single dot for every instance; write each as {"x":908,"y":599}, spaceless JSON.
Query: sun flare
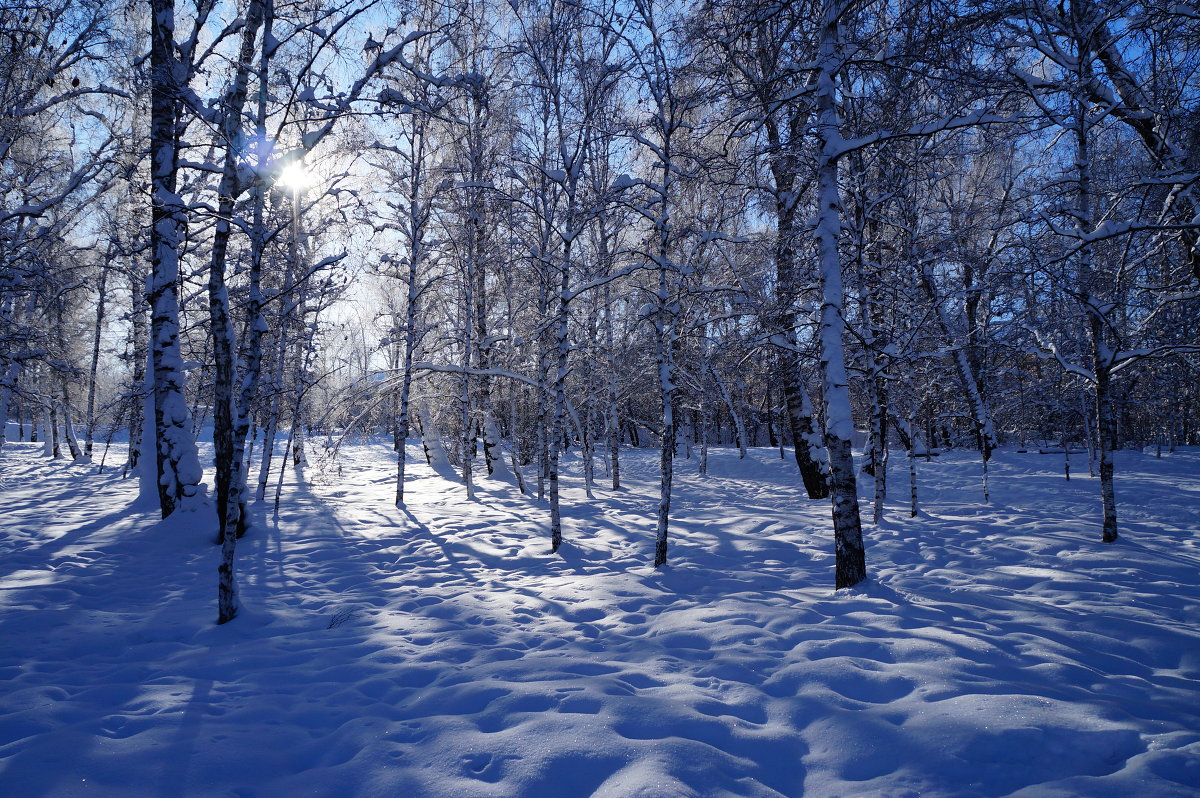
{"x":295,"y":176}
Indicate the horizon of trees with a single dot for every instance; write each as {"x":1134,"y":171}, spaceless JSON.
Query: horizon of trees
{"x":518,"y":228}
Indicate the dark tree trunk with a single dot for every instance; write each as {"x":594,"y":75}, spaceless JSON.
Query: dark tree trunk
{"x":228,"y":462}
{"x":95,"y":363}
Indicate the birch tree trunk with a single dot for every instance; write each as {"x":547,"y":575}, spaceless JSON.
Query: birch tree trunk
{"x":178,"y":464}
{"x":94,"y":366}
{"x":256,"y":326}
{"x":665,"y":357}
{"x":416,"y":226}
{"x":493,"y":457}
{"x":8,"y":386}
{"x":544,"y":394}
{"x":807,"y":442}
{"x":271,"y":430}
{"x":137,"y":387}
{"x":879,"y":446}
{"x":984,"y":429}
{"x":435,"y":453}
{"x":466,"y":440}
{"x":282,"y":346}
{"x":1101,"y":352}
{"x":914,"y":508}
{"x":68,"y":426}
{"x":467,"y":340}
{"x":49,"y":433}
{"x":907,"y":431}
{"x":587,"y":450}
{"x":850,"y":555}
{"x":756,"y":44}
{"x":612,"y":395}
{"x":228,"y":462}
{"x":558,"y":432}
{"x":738,"y":425}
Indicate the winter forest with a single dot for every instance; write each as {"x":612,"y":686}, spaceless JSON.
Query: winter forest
{"x":345,"y":299}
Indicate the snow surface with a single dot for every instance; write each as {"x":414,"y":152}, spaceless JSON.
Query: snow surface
{"x":997,"y":650}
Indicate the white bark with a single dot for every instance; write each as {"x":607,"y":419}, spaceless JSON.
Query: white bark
{"x":839,"y":424}
{"x":435,"y":452}
{"x":8,"y":385}
{"x":178,"y":463}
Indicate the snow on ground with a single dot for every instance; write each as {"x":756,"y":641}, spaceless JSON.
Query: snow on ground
{"x":997,"y":650}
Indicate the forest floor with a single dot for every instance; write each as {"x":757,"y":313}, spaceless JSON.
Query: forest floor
{"x":443,"y":651}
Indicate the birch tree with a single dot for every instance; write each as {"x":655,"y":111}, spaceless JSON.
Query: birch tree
{"x":1098,"y":225}
{"x":178,"y":464}
{"x":762,"y":46}
{"x":568,"y":92}
{"x":411,"y":162}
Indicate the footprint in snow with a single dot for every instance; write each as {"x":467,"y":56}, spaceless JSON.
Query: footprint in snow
{"x":485,"y":767}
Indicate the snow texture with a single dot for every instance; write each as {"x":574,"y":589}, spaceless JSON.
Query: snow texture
{"x":441,"y":651}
